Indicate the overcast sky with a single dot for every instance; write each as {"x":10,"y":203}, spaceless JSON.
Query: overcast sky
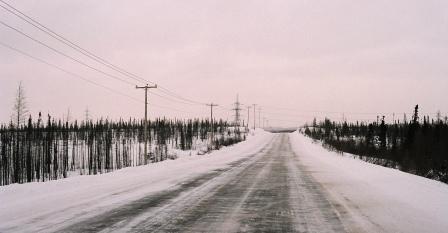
{"x":339,"y":57}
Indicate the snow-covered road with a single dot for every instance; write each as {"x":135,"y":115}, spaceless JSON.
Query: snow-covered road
{"x":268,"y":192}
{"x":269,"y":183}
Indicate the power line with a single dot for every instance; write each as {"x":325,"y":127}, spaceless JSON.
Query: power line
{"x":173,"y":109}
{"x":81,"y":62}
{"x":62,"y":53}
{"x":344,"y":112}
{"x":172,"y":99}
{"x":166,"y":91}
{"x":67,"y":71}
{"x":324,"y":112}
{"x":224,"y":109}
{"x":83,"y":51}
{"x":84,"y":78}
{"x":65,"y":41}
{"x":175,"y":97}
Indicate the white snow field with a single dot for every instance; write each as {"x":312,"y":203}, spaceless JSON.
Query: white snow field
{"x":376,"y":198}
{"x":364,"y":197}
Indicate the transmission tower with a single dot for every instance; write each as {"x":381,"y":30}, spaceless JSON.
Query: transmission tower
{"x":237,"y":110}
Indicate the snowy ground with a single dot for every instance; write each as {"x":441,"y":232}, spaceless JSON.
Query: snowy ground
{"x":275,"y":182}
{"x":376,"y":198}
{"x":48,"y":206}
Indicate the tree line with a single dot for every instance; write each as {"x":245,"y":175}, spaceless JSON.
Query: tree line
{"x":42,"y":150}
{"x":418,"y":146}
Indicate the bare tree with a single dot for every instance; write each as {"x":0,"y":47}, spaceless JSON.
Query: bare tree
{"x":20,"y":109}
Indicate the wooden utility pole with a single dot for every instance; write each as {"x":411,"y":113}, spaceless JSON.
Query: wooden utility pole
{"x":145,"y":123}
{"x":248,"y":116}
{"x":211,"y":121}
{"x":259,"y":117}
{"x":255,"y":116}
{"x":87,"y":115}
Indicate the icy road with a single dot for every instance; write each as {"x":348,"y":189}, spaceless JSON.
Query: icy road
{"x":269,"y":192}
{"x":270,"y":183}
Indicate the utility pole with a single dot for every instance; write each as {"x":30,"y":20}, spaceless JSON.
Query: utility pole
{"x":87,"y":115}
{"x":68,"y":115}
{"x":255,"y":108}
{"x":248,"y":117}
{"x":259,"y":117}
{"x":211,"y":121}
{"x":145,"y":123}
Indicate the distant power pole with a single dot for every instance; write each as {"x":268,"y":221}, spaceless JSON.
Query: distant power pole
{"x":145,"y":123}
{"x":237,"y":110}
{"x":255,"y":108}
{"x":68,"y":115}
{"x":211,"y":105}
{"x":87,"y":114}
{"x":259,"y":117}
{"x":248,"y":116}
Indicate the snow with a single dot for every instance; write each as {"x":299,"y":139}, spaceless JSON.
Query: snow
{"x":376,"y":198}
{"x":367,"y":197}
{"x":48,"y":205}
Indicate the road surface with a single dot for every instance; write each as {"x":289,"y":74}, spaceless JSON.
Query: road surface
{"x":268,"y":192}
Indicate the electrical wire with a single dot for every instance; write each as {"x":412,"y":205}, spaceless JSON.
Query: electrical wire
{"x":64,"y":40}
{"x":85,"y":52}
{"x":23,"y":53}
{"x":167,"y":94}
{"x":67,"y":71}
{"x":62,"y":53}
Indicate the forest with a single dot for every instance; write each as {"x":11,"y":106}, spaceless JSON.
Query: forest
{"x":418,"y":146}
{"x":51,"y":149}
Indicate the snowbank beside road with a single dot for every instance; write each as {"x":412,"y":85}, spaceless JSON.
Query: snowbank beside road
{"x":376,"y":198}
{"x":30,"y":206}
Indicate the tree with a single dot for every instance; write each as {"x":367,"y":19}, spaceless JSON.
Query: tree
{"x":20,"y":109}
{"x":383,"y":133}
{"x":415,"y":116}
